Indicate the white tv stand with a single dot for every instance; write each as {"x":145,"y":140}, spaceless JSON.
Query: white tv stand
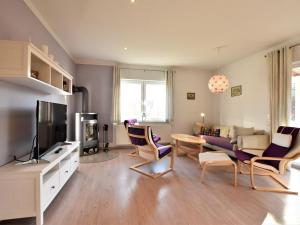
{"x":27,"y":190}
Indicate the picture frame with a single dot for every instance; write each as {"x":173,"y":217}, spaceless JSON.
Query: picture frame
{"x":191,"y":96}
{"x":236,"y":91}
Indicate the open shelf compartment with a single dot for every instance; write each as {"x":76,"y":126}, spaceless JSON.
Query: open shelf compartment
{"x":39,"y":69}
{"x":24,"y":64}
{"x":67,"y":84}
{"x":56,"y":79}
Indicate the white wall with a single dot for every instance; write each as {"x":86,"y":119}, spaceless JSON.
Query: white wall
{"x":251,"y":109}
{"x":186,"y":112}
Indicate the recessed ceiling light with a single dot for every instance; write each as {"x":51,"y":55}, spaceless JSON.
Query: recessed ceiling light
{"x":132,"y":1}
{"x":125,"y":48}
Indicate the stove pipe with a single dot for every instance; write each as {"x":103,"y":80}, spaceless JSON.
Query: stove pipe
{"x":85,"y":97}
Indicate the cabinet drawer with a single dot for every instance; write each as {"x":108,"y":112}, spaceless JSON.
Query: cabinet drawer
{"x":65,"y":171}
{"x":50,"y":188}
{"x":74,"y":161}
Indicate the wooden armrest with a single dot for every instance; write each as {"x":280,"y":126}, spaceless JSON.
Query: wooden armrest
{"x":267,"y":158}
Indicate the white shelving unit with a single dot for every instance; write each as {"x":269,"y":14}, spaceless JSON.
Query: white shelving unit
{"x":27,"y":190}
{"x":18,"y":60}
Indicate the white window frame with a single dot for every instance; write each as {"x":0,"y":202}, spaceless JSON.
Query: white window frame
{"x":143,"y":98}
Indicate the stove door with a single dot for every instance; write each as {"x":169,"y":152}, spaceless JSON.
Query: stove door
{"x":90,"y":132}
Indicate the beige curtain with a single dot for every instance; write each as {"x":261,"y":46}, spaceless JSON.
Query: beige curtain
{"x":280,"y":87}
{"x":170,"y":106}
{"x":116,"y":95}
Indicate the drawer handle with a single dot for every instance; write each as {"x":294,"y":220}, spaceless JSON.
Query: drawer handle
{"x":76,"y":161}
{"x":53,"y":187}
{"x":67,"y":171}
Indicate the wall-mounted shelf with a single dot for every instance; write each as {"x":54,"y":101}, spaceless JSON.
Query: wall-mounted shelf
{"x":24,"y":64}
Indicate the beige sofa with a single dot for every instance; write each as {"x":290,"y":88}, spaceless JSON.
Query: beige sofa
{"x":232,"y":138}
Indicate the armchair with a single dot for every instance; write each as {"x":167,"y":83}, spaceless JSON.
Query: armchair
{"x":272,"y":162}
{"x":142,"y":138}
{"x":130,"y":122}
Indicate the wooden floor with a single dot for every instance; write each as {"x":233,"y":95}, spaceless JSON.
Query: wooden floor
{"x":108,"y":193}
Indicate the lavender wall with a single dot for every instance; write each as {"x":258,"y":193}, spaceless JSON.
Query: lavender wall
{"x":17,"y":22}
{"x":99,"y":81}
{"x":17,"y":103}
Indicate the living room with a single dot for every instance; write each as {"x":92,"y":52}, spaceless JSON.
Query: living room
{"x":104,"y":55}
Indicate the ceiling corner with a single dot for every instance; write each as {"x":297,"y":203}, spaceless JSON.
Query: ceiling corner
{"x":36,"y":12}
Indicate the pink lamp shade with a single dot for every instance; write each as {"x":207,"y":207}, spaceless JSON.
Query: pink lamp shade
{"x":218,"y":83}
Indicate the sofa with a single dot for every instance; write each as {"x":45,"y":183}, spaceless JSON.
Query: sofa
{"x":232,"y":138}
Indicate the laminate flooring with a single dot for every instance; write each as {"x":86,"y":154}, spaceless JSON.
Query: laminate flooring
{"x":109,"y":193}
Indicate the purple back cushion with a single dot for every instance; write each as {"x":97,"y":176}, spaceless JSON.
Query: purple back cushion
{"x":275,"y":151}
{"x":136,"y":140}
{"x":278,"y":151}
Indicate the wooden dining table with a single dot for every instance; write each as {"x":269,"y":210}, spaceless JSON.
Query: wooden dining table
{"x":188,"y":145}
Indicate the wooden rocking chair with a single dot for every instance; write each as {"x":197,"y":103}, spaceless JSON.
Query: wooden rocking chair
{"x":273,"y":161}
{"x":142,"y":138}
{"x":131,"y":122}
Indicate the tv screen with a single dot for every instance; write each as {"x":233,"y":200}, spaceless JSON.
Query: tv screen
{"x":51,"y":127}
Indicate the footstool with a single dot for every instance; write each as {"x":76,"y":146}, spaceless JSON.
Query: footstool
{"x":216,"y":159}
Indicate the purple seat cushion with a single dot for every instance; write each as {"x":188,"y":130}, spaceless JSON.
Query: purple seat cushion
{"x":155,"y":138}
{"x":218,"y":141}
{"x":165,"y":150}
{"x":244,"y":156}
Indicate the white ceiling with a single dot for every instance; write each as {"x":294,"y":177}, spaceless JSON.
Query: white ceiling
{"x":169,"y":32}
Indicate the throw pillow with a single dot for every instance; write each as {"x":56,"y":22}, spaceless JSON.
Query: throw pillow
{"x":239,"y":131}
{"x":224,"y":131}
{"x":216,"y":132}
{"x":205,"y":131}
{"x":259,"y":132}
{"x":284,"y":140}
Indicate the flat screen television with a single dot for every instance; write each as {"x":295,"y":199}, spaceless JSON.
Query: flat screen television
{"x":51,"y":127}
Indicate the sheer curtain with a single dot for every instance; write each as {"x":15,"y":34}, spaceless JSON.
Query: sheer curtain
{"x":170,"y":105}
{"x":116,"y":95}
{"x":280,"y":87}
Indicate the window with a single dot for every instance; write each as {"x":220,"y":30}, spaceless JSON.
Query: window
{"x":295,"y":101}
{"x":145,"y":100}
{"x":144,"y":94}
